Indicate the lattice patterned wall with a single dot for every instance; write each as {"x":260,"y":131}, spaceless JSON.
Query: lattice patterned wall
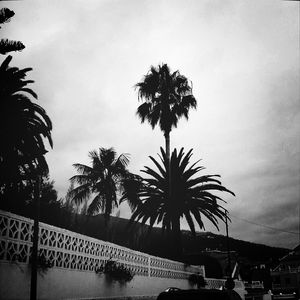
{"x":219,"y":283}
{"x":66,"y":249}
{"x":215,"y":283}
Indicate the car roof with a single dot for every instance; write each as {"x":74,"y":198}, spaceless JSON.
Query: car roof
{"x":200,"y":294}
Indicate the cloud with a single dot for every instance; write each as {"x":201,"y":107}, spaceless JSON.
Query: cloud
{"x":242,"y":59}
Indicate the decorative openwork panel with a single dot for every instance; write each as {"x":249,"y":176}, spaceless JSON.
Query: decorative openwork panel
{"x":69,"y":250}
{"x":160,"y":263}
{"x":218,"y":283}
{"x":215,"y":283}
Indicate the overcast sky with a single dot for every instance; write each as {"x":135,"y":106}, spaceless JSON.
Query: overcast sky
{"x":243,"y":60}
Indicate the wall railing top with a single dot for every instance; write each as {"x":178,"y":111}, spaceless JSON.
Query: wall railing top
{"x":67,"y":249}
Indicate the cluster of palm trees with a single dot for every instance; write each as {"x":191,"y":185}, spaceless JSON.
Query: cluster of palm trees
{"x":171,"y":191}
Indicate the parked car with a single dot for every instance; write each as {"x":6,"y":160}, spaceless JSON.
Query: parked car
{"x":285,"y":296}
{"x":199,"y":294}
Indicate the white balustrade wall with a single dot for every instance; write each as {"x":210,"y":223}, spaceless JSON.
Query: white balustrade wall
{"x":75,"y":259}
{"x":67,"y":250}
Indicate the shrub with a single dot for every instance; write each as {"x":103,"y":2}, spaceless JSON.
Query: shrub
{"x":116,"y":271}
{"x":196,"y":279}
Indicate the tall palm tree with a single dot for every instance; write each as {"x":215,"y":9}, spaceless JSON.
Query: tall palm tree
{"x":23,"y":125}
{"x":101,"y":181}
{"x":191,"y":196}
{"x":167,"y":97}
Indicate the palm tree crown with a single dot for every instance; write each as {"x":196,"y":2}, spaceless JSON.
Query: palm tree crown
{"x":23,"y":124}
{"x":167,"y":97}
{"x":191,"y":195}
{"x":101,"y":180}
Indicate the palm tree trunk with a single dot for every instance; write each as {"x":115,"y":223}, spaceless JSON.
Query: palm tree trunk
{"x":176,"y":238}
{"x":167,"y":139}
{"x":107,"y":236}
{"x":34,"y":255}
{"x":176,"y":242}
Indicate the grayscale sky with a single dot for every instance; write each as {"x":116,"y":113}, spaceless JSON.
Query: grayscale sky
{"x":243,"y":60}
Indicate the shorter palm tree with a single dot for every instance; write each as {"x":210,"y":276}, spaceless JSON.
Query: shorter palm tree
{"x":191,"y":196}
{"x":101,"y":181}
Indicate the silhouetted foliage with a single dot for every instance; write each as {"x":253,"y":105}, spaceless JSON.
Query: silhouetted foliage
{"x":5,"y":44}
{"x":53,"y":211}
{"x":9,"y":46}
{"x":23,"y":125}
{"x":197,"y":279}
{"x":190,"y":196}
{"x":5,"y":15}
{"x":16,"y":198}
{"x":167,"y":97}
{"x":102,"y":180}
{"x":43,"y":263}
{"x":116,"y":271}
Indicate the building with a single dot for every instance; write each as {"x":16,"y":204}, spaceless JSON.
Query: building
{"x":286,"y":276}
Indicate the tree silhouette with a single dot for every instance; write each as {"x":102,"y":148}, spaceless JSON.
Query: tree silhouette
{"x":53,"y":211}
{"x":23,"y":125}
{"x":102,"y":181}
{"x":191,"y":196}
{"x":166,"y":98}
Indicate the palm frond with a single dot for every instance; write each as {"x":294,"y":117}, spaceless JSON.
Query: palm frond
{"x":96,"y":205}
{"x":83,"y":169}
{"x":190,"y":222}
{"x":80,"y":179}
{"x":122,"y":161}
{"x":153,"y":173}
{"x":7,"y":46}
{"x":215,"y":187}
{"x":132,"y":186}
{"x":80,"y":193}
{"x":5,"y":64}
{"x":144,"y":110}
{"x":5,"y":15}
{"x":197,"y":215}
{"x":161,"y":169}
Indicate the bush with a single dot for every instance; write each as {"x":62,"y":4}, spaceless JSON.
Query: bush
{"x":116,"y":271}
{"x":196,"y":279}
{"x":43,"y":264}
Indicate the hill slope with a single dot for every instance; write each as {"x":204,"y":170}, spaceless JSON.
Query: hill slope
{"x":138,"y":238}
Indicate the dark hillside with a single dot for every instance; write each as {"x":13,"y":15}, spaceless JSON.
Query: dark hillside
{"x":138,"y":238}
